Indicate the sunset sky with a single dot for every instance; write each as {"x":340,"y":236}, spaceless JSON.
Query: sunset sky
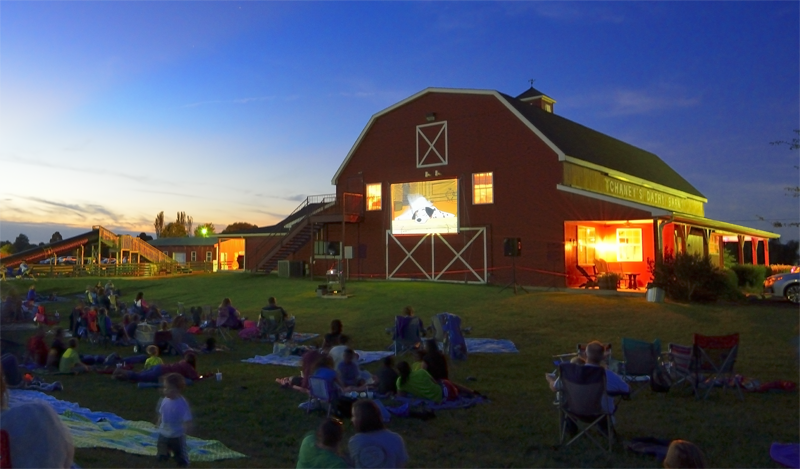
{"x":111,"y":112}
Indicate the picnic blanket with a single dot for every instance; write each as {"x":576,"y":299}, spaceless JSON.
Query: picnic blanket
{"x":106,"y":430}
{"x":490,"y":346}
{"x":410,"y":402}
{"x":294,"y":360}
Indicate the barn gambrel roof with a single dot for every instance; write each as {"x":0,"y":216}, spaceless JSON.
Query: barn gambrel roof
{"x":572,"y":142}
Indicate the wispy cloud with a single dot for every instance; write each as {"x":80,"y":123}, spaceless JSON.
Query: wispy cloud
{"x":628,"y":101}
{"x":82,"y":210}
{"x":236,"y":101}
{"x":98,"y":171}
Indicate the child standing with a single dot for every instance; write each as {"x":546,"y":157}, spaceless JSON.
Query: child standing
{"x":153,"y":359}
{"x":174,"y":416}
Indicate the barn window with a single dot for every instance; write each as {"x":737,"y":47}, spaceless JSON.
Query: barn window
{"x":482,"y":188}
{"x":208,"y":256}
{"x":374,"y":196}
{"x":629,"y":244}
{"x":194,"y":256}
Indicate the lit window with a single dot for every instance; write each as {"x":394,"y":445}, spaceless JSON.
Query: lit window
{"x":374,"y":196}
{"x":482,"y":188}
{"x":194,"y":256}
{"x":629,"y":245}
{"x":208,"y":256}
{"x":587,"y":240}
{"x":548,"y":107}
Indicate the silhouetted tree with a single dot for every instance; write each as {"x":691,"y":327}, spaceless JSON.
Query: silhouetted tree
{"x":209,"y":227}
{"x":22,"y":243}
{"x":239,"y":226}
{"x":159,"y":223}
{"x":786,"y":254}
{"x":145,"y":237}
{"x":56,"y":237}
{"x":173,"y":230}
{"x":794,"y":145}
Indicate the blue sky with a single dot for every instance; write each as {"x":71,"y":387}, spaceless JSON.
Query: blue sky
{"x":111,"y":112}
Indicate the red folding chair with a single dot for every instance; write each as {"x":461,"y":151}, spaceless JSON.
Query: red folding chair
{"x":714,"y":358}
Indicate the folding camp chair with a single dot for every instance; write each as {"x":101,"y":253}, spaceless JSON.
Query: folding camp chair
{"x":679,"y":361}
{"x":639,"y":362}
{"x":271,"y":323}
{"x":582,"y":390}
{"x":714,"y":358}
{"x":447,"y":330}
{"x":406,"y":334}
{"x":321,"y":391}
{"x":222,"y":331}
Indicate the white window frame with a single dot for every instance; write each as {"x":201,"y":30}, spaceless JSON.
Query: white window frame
{"x":427,"y":154}
{"x":627,"y":251}
{"x":589,"y":249}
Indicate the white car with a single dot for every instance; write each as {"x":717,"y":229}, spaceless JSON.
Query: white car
{"x":786,"y":285}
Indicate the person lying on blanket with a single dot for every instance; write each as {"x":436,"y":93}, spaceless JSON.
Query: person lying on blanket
{"x":308,"y":363}
{"x":186,"y":368}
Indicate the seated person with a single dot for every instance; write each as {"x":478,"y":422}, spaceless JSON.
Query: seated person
{"x":211,"y":346}
{"x":419,"y":383}
{"x":228,"y":316}
{"x":348,"y":371}
{"x":71,"y":360}
{"x":337,"y":352}
{"x":321,"y":450}
{"x":267,"y":315}
{"x":387,"y":377}
{"x":684,"y":454}
{"x":37,"y":350}
{"x":324,"y":370}
{"x":336,"y":331}
{"x":373,"y":445}
{"x":595,"y":352}
{"x":57,"y":349}
{"x":152,"y":357}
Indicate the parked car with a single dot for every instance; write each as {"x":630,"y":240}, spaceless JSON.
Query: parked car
{"x":786,"y":285}
{"x":67,"y":260}
{"x":109,"y":260}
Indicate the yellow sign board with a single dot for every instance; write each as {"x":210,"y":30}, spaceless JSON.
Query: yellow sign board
{"x":595,"y":181}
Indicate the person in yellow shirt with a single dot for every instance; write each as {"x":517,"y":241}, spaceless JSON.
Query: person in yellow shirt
{"x":71,"y":360}
{"x":153,"y":358}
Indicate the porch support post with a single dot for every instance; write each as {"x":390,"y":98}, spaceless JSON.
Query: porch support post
{"x":740,"y":249}
{"x":766,"y":251}
{"x":754,"y":249}
{"x":683,"y":231}
{"x":706,"y":239}
{"x":658,"y":229}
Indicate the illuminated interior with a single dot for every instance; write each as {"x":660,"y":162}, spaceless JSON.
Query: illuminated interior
{"x":482,"y":188}
{"x":425,"y":207}
{"x":374,"y":196}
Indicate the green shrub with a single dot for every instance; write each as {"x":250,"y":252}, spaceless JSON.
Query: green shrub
{"x":750,"y":275}
{"x":608,"y":281}
{"x":690,"y":277}
{"x":732,"y":291}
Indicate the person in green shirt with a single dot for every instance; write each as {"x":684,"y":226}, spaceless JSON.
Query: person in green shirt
{"x":153,"y":358}
{"x":71,"y":360}
{"x":419,"y":383}
{"x":321,"y":450}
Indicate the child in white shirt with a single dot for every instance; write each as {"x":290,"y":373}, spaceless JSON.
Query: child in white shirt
{"x":174,"y":417}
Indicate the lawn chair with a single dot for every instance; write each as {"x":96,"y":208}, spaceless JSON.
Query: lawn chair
{"x":145,"y":334}
{"x":580,"y":404}
{"x":321,"y":391}
{"x":271,"y":322}
{"x":591,"y":279}
{"x":447,"y":330}
{"x":714,"y":357}
{"x":679,"y":361}
{"x":639,"y":362}
{"x":406,"y":334}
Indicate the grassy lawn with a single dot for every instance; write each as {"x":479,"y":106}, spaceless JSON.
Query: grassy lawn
{"x":248,"y":412}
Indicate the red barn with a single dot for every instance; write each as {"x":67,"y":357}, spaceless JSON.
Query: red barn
{"x":477,"y":186}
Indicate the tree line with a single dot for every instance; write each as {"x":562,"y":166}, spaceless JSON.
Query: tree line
{"x":182,"y":227}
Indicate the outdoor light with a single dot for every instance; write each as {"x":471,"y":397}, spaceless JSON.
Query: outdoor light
{"x":430,"y":117}
{"x":203,"y":231}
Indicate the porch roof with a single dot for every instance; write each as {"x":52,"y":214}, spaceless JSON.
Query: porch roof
{"x":720,"y":226}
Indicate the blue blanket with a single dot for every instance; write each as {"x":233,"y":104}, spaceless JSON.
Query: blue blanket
{"x":294,"y":360}
{"x":106,"y":430}
{"x":462,"y":402}
{"x":490,"y":346}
